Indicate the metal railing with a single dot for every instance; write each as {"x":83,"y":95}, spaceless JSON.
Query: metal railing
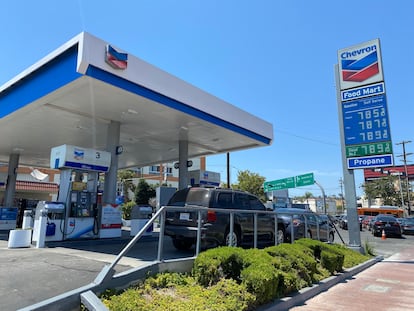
{"x":161,"y":215}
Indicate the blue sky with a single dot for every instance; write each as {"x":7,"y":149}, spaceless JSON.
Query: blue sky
{"x":272,"y":58}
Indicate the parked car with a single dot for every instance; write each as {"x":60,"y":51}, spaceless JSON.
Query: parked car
{"x":386,"y":223}
{"x":366,"y":220}
{"x":407,"y":225}
{"x":343,"y":223}
{"x":181,"y":225}
{"x":304,"y":223}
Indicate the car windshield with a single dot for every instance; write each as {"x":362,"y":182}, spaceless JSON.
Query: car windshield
{"x":386,"y":218}
{"x":409,"y":221}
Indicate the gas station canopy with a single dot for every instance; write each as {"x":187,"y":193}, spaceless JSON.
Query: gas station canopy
{"x":73,"y":94}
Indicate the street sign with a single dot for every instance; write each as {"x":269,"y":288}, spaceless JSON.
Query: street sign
{"x":289,"y":182}
{"x":279,"y":184}
{"x":305,"y":180}
{"x":367,"y":162}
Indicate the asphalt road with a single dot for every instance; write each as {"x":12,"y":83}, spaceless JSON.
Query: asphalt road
{"x":30,"y":275}
{"x":386,"y":248}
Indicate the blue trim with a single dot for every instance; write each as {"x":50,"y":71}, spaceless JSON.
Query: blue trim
{"x":85,"y":166}
{"x":107,"y":77}
{"x":44,"y":80}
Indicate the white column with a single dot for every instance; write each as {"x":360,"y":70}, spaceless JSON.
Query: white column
{"x":182,"y":168}
{"x":112,"y":142}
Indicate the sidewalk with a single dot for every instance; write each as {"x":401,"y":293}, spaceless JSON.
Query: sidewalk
{"x":387,"y":285}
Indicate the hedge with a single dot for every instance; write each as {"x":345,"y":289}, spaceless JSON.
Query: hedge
{"x":232,"y":278}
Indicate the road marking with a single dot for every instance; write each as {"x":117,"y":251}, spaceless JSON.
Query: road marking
{"x":388,"y":281}
{"x":377,"y":288}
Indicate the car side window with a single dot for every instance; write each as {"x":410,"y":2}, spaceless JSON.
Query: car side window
{"x":224,"y":200}
{"x":241,"y":201}
{"x":255,"y":204}
{"x":311,"y":218}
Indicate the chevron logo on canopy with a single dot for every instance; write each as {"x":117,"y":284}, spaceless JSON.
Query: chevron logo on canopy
{"x":359,"y":70}
{"x":116,"y":59}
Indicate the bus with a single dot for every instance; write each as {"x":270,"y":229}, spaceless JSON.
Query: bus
{"x":374,"y":210}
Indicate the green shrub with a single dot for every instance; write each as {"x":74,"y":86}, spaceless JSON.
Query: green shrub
{"x":259,"y":275}
{"x":300,"y":257}
{"x":226,"y":295}
{"x":231,"y":278}
{"x":126,"y":209}
{"x":351,"y":257}
{"x":217,"y":263}
{"x":327,"y":254}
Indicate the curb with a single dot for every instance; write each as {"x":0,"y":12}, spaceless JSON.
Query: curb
{"x":304,"y":294}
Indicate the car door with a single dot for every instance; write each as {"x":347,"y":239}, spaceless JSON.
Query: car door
{"x":265,"y":222}
{"x":244,"y":219}
{"x":312,"y":225}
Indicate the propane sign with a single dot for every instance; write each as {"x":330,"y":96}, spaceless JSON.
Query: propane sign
{"x":360,"y":65}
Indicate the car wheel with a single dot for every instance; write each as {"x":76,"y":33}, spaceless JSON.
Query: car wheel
{"x":280,"y":236}
{"x":234,"y":238}
{"x":182,"y":245}
{"x":331,"y":237}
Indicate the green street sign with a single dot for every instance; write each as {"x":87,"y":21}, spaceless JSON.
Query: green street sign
{"x":279,"y":184}
{"x":369,"y":149}
{"x":290,"y":182}
{"x":305,"y":180}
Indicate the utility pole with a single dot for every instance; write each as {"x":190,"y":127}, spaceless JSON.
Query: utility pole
{"x":404,"y":155}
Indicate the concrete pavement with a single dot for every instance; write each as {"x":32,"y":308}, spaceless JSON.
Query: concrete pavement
{"x":388,"y":285}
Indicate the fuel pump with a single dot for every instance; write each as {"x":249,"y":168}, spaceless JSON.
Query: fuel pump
{"x":79,"y":189}
{"x":83,"y":206}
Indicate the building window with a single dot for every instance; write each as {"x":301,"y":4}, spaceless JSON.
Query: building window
{"x":155,"y":169}
{"x":168,"y":171}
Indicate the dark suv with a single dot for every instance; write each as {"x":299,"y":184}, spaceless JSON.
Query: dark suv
{"x":181,"y":225}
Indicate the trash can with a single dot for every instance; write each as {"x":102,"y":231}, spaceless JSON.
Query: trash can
{"x":139,"y":217}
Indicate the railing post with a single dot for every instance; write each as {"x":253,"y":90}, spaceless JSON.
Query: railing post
{"x":306,"y":226}
{"x":255,"y":230}
{"x":231,"y":228}
{"x":317,"y":228}
{"x":276,"y":231}
{"x":161,"y":235}
{"x":198,"y":242}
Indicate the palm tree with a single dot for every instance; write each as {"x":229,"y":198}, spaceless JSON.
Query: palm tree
{"x":307,"y":196}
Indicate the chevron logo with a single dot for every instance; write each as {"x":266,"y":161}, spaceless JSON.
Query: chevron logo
{"x":359,"y":70}
{"x":116,"y":59}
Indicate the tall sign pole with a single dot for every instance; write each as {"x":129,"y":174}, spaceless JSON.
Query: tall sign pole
{"x":363,"y":120}
{"x":348,"y":181}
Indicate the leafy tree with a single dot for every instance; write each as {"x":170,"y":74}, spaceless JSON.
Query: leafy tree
{"x":144,"y":192}
{"x":251,"y":182}
{"x":383,"y":188}
{"x":125,"y":177}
